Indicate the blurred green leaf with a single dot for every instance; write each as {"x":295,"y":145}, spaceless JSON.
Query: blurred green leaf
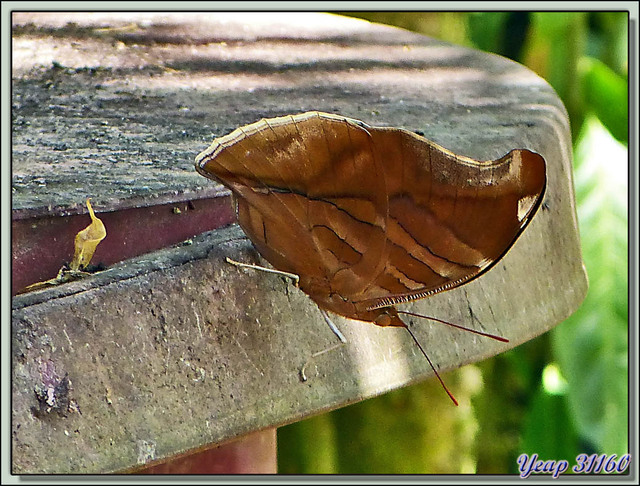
{"x":556,"y":42}
{"x":510,"y":383}
{"x":308,"y":447}
{"x":606,"y":94}
{"x":547,"y":415}
{"x":591,"y":346}
{"x":486,"y":30}
{"x":608,"y":39}
{"x":502,"y":33}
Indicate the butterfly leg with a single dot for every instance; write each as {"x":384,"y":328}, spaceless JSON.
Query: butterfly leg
{"x":326,"y":317}
{"x":336,"y":331}
{"x":332,"y":326}
{"x":292,"y":276}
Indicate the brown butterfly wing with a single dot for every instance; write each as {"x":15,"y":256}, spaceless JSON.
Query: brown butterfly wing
{"x":450,"y":218}
{"x":311,"y":197}
{"x":370,"y":217}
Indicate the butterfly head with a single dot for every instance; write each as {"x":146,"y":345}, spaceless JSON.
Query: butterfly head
{"x":387,"y":317}
{"x":337,"y":303}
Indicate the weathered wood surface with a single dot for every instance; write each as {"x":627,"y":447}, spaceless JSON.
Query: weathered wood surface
{"x":176,"y":349}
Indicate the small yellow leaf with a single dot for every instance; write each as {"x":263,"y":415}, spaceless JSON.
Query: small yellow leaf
{"x":87,"y":240}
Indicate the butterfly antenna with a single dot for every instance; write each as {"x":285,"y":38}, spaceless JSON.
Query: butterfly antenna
{"x":485,"y":334}
{"x":432,"y":367}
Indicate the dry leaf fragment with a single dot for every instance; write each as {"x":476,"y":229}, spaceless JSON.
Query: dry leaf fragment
{"x":87,"y":240}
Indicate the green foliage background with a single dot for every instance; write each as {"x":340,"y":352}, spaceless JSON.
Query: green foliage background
{"x":566,"y":392}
